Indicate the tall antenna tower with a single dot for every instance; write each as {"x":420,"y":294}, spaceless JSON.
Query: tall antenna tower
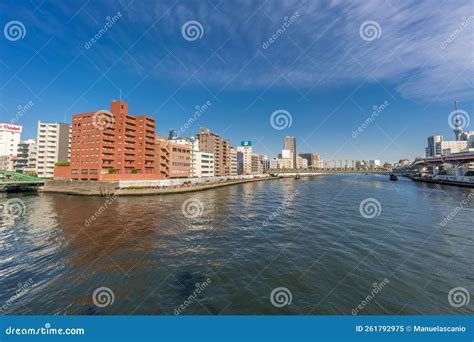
{"x":457,"y":123}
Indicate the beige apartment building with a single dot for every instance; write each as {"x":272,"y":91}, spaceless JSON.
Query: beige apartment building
{"x":211,"y":142}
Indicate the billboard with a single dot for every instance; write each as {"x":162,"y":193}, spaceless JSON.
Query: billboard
{"x":245,"y":143}
{"x":10,"y":128}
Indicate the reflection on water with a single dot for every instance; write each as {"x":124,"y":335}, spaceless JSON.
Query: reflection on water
{"x":250,"y":239}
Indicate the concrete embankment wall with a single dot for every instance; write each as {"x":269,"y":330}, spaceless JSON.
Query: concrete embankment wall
{"x":76,"y":187}
{"x":183,"y":181}
{"x":153,"y":187}
{"x":144,"y":187}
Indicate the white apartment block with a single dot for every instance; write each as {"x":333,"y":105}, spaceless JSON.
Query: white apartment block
{"x":204,"y":164}
{"x":451,"y":146}
{"x":301,"y":163}
{"x":53,"y":141}
{"x":281,"y":163}
{"x":9,"y":139}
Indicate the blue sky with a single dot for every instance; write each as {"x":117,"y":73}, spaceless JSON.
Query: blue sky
{"x":322,"y":67}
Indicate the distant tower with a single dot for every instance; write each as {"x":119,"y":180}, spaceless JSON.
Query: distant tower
{"x":457,"y":123}
{"x":289,"y":143}
{"x":173,"y":134}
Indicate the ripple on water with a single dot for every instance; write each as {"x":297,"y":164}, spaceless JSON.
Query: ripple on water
{"x":306,"y":235}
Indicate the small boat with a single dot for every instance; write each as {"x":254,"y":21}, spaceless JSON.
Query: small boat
{"x":393,"y":177}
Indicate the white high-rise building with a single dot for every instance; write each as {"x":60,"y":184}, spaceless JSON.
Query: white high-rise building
{"x":437,"y":146}
{"x":54,"y":140}
{"x":9,"y":139}
{"x":246,"y":149}
{"x":289,"y":143}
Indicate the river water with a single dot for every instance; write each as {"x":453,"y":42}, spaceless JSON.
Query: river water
{"x":223,"y":251}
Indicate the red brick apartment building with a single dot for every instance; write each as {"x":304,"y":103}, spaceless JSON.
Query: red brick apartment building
{"x":111,"y":146}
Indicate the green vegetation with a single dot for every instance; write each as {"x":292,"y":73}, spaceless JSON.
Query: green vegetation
{"x":63,"y":164}
{"x":134,"y":171}
{"x":111,"y":171}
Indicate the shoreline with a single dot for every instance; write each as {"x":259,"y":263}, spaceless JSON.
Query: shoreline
{"x":443,"y":182}
{"x":98,"y":188}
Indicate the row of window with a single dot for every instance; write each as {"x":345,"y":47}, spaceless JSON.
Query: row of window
{"x":180,"y":164}
{"x":106,"y":171}
{"x":181,"y":150}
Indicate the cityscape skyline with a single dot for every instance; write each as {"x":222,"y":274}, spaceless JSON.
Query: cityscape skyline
{"x":245,"y":85}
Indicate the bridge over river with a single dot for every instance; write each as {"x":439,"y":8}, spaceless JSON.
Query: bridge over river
{"x":11,"y":181}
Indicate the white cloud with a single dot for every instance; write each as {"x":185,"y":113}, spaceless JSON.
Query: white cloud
{"x":408,"y":53}
{"x":322,"y":47}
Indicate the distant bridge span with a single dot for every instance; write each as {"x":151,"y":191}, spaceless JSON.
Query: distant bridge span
{"x":457,"y":158}
{"x":332,"y":170}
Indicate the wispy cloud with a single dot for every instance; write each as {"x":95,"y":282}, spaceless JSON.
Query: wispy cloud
{"x":322,"y":47}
